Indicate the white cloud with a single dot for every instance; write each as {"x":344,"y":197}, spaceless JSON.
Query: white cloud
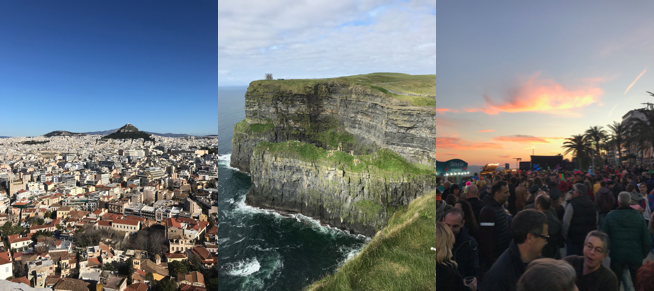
{"x":302,"y":39}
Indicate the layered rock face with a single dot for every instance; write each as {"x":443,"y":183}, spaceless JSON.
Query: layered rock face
{"x":371,"y":117}
{"x":360,"y":200}
{"x":333,"y":116}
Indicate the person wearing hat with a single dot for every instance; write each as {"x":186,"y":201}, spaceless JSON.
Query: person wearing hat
{"x":556,"y":209}
{"x":533,"y":192}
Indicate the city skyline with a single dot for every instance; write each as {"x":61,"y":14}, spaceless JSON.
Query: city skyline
{"x":92,"y":66}
{"x":324,"y":39}
{"x":524,"y":76}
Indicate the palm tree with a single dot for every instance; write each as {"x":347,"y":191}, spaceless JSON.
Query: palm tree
{"x":641,"y":131}
{"x":618,"y":132}
{"x":578,"y":146}
{"x":596,"y":134}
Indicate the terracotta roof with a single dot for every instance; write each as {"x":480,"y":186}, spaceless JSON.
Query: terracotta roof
{"x":193,"y":277}
{"x":71,"y":284}
{"x":21,"y":280}
{"x":132,"y":217}
{"x":175,"y":256}
{"x":137,"y":287}
{"x":126,"y":221}
{"x":104,"y":223}
{"x":186,"y":287}
{"x":94,"y":262}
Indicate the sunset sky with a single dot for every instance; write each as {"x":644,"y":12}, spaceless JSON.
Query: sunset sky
{"x":513,"y":76}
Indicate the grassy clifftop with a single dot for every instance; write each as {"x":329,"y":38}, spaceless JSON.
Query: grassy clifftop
{"x":383,"y":161}
{"x":375,"y":83}
{"x":397,"y":258}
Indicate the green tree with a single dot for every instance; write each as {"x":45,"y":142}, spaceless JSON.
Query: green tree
{"x":578,"y":146}
{"x":108,"y":267}
{"x":149,"y":277}
{"x":48,"y":214}
{"x":175,"y":267}
{"x":165,"y":285}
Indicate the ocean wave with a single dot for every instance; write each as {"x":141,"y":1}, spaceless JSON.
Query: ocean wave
{"x":225,"y":161}
{"x":244,"y":268}
{"x":350,"y":252}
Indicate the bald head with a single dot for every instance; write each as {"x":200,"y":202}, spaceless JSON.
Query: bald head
{"x":472,"y":191}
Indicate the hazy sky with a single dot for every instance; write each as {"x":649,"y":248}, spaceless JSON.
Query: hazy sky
{"x":97,"y":65}
{"x":324,"y":38}
{"x":522,"y":74}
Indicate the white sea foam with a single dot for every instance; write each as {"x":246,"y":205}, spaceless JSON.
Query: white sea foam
{"x":225,"y":160}
{"x":243,"y":208}
{"x":244,"y":268}
{"x":350,"y":252}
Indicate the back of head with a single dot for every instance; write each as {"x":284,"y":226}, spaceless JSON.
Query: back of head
{"x":645,"y":277}
{"x":544,"y":201}
{"x":624,"y":199}
{"x":581,"y":188}
{"x":451,"y":200}
{"x":444,"y":242}
{"x":630,"y":187}
{"x":558,"y":274}
{"x":526,"y":222}
{"x":454,"y":187}
{"x":602,"y":184}
{"x":514,"y":180}
{"x":472,"y":191}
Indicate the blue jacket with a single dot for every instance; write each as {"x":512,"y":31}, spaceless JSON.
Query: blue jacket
{"x":466,"y":254}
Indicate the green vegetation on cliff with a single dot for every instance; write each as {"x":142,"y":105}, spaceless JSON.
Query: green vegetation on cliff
{"x":35,"y":142}
{"x":244,"y":127}
{"x":397,"y":258}
{"x":383,"y":160}
{"x":376,"y":82}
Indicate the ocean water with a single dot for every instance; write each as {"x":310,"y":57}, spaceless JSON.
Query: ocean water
{"x":259,"y":249}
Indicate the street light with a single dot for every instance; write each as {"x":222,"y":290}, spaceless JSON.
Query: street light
{"x":532,"y":150}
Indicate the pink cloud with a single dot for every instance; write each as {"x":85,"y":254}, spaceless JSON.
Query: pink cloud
{"x":486,"y":130}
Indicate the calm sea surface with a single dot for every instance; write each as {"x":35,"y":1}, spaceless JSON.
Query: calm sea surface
{"x":260,"y":249}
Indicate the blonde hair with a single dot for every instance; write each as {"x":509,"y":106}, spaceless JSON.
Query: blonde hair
{"x":444,"y":242}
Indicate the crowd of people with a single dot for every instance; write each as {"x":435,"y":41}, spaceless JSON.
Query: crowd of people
{"x":547,"y":230}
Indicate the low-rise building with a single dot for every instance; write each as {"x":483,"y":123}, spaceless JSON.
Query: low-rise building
{"x":131,"y":226}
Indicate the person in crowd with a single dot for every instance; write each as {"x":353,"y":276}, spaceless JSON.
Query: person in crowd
{"x":471,"y":221}
{"x":636,"y":197}
{"x":451,"y":200}
{"x":533,"y":192}
{"x":650,"y":183}
{"x":565,"y":185}
{"x":579,"y":219}
{"x":446,"y":189}
{"x":521,"y":194}
{"x":465,"y":246}
{"x":441,"y":206}
{"x":532,"y":279}
{"x":474,"y":200}
{"x":604,"y":202}
{"x":455,"y":190}
{"x":551,"y":250}
{"x":557,"y":209}
{"x":533,"y":205}
{"x":630,"y":180}
{"x":596,"y":184}
{"x":589,"y":190}
{"x":591,"y":274}
{"x":648,"y":201}
{"x":494,"y":235}
{"x":484,"y":188}
{"x":512,"y":185}
{"x":530,"y":234}
{"x":448,"y":277}
{"x":645,"y":277}
{"x":630,"y":238}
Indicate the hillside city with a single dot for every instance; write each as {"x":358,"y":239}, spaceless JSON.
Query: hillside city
{"x":85,"y":213}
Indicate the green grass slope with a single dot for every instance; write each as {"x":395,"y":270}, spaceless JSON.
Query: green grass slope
{"x":397,"y":258}
{"x":382,"y":82}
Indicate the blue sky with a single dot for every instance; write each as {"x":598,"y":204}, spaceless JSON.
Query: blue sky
{"x":517,"y":74}
{"x":96,"y":65}
{"x":324,"y":38}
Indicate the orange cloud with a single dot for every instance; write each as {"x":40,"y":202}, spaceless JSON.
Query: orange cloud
{"x":456,"y":143}
{"x":506,"y":157}
{"x":545,"y":96}
{"x":526,"y":139}
{"x":486,"y":130}
{"x":442,"y":110}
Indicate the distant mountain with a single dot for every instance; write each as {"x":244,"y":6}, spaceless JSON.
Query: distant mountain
{"x":128,"y":131}
{"x":5,"y":136}
{"x":104,"y":132}
{"x":63,"y":133}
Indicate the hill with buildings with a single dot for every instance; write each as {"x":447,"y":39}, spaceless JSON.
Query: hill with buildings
{"x":62,"y":133}
{"x":129,"y":131}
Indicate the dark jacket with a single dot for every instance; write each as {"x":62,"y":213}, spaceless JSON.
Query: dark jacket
{"x":554,"y":230}
{"x":584,"y":219}
{"x":600,"y":201}
{"x":466,"y":254}
{"x":476,"y":206}
{"x":630,"y":238}
{"x":650,"y":185}
{"x":505,"y":273}
{"x":494,"y":235}
{"x":483,"y":192}
{"x":449,"y":279}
